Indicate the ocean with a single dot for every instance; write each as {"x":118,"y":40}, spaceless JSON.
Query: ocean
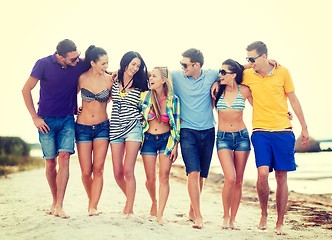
{"x":312,"y":176}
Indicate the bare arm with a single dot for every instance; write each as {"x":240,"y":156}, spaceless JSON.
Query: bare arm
{"x":295,"y":103}
{"x":27,"y":96}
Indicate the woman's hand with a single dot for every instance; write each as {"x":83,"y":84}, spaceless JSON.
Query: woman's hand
{"x":174,"y":153}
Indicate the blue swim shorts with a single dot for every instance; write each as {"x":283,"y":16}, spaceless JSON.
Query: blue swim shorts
{"x":235,"y":141}
{"x":274,"y":149}
{"x":60,"y":138}
{"x":90,"y":133}
{"x":196,"y":149}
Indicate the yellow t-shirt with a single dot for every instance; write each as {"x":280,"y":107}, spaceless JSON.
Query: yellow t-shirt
{"x":270,"y":100}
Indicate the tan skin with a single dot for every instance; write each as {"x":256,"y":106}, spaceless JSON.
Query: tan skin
{"x":262,"y":67}
{"x":232,"y":163}
{"x":124,"y":155}
{"x":57,"y":179}
{"x":195,"y":181}
{"x":165,"y":163}
{"x":92,"y":155}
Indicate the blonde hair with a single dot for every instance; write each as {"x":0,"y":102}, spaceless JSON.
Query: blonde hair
{"x":168,"y":89}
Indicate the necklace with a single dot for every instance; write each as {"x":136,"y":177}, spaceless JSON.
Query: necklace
{"x":124,"y":88}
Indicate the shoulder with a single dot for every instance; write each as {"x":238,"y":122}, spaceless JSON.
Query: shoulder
{"x":244,"y":90}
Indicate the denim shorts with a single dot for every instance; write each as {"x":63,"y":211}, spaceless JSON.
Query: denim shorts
{"x":135,"y":135}
{"x":196,"y":149}
{"x":60,"y":138}
{"x":235,"y":141}
{"x":274,"y":149}
{"x":154,"y":144}
{"x":89,"y":133}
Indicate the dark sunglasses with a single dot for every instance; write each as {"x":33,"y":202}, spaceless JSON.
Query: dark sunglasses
{"x":252,"y":59}
{"x":185,"y":65}
{"x":72,"y":60}
{"x":223,"y":72}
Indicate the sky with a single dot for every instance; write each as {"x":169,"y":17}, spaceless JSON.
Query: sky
{"x":297,"y":33}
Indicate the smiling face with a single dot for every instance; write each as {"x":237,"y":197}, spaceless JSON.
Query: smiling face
{"x":156,"y":80}
{"x":72,"y":58}
{"x":190,"y":70}
{"x":133,"y":67}
{"x":229,"y":77}
{"x":258,"y":60}
{"x":101,"y":64}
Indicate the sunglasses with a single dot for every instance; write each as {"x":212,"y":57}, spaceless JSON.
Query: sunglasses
{"x":252,"y":59}
{"x":72,"y":60}
{"x":185,"y":65}
{"x":223,"y":72}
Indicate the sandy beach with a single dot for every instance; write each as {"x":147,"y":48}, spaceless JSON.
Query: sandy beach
{"x":25,"y":197}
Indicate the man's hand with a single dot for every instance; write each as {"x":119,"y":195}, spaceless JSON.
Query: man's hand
{"x":41,"y":125}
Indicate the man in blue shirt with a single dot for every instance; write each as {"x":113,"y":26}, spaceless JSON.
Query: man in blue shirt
{"x":58,"y":75}
{"x":192,"y":85}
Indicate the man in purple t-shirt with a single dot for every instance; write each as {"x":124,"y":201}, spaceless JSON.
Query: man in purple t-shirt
{"x":58,"y":75}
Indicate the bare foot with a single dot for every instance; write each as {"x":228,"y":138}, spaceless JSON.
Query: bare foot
{"x":232,"y":226}
{"x":93,"y":212}
{"x":225,"y":224}
{"x":153,"y":210}
{"x":160,"y":219}
{"x":198,"y":224}
{"x":263,"y":223}
{"x":61,"y":214}
{"x":129,"y":215}
{"x":51,"y":211}
{"x":280,"y":230}
{"x":191,"y":216}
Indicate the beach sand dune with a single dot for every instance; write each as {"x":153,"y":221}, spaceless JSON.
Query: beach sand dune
{"x":25,"y":197}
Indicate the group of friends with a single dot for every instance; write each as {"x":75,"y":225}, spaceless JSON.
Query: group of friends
{"x":146,"y":118}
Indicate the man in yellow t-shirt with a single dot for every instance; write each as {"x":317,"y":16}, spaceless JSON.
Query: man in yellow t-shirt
{"x":272,"y":137}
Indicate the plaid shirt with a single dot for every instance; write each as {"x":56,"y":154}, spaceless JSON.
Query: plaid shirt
{"x":173,"y":112}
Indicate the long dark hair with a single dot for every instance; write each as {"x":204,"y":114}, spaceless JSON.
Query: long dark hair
{"x":140,"y":79}
{"x":234,"y":67}
{"x":92,"y":54}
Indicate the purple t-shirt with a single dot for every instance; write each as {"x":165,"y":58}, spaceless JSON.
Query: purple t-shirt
{"x":58,"y":86}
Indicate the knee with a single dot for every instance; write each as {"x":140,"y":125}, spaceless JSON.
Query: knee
{"x":86,"y":174}
{"x":230,"y":180}
{"x":98,"y":171}
{"x":118,"y":175}
{"x":63,"y":156}
{"x":150,"y":180}
{"x":164,"y":178}
{"x":262,"y":176}
{"x":128,"y":174}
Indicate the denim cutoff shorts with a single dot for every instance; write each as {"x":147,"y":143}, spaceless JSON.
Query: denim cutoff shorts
{"x":135,"y":135}
{"x":90,"y":133}
{"x":235,"y":141}
{"x":154,"y":144}
{"x":196,"y":149}
{"x":60,"y":138}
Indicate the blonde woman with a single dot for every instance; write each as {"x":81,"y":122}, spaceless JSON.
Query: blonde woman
{"x":161,"y":129}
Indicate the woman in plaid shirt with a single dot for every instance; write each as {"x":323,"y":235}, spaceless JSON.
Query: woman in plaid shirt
{"x":161,"y":129}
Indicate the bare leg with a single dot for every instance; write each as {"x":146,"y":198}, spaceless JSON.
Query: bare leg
{"x":282,"y":199}
{"x":263,"y":191}
{"x":226,"y":158}
{"x":99,"y":154}
{"x":191,"y":210}
{"x":165,"y":165}
{"x":194,"y":194}
{"x":150,"y":171}
{"x":84,"y":151}
{"x":51,"y":174}
{"x":62,"y":180}
{"x":129,"y":167}
{"x":240,"y":161}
